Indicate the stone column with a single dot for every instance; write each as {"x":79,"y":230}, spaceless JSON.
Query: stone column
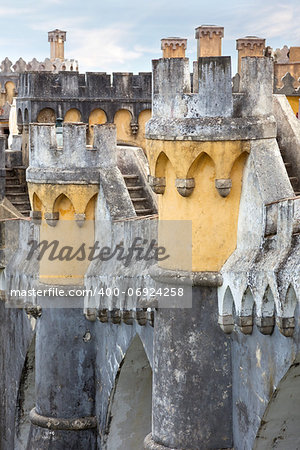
{"x":65,"y":390}
{"x":191,"y":403}
{"x":249,"y":46}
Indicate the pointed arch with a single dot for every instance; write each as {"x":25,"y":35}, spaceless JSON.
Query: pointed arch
{"x":290,"y":301}
{"x":64,"y":207}
{"x":227,"y":303}
{"x":37,"y":204}
{"x":202,"y":159}
{"x":90,"y":208}
{"x":161,"y":164}
{"x":247,"y":304}
{"x":129,"y":413}
{"x":268,"y":303}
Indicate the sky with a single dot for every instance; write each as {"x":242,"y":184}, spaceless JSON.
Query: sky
{"x":124,"y":35}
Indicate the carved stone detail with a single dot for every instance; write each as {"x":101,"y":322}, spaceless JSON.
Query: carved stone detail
{"x":52,"y":218}
{"x":158,"y":184}
{"x":223,"y":186}
{"x":185,"y":186}
{"x":210,"y":30}
{"x":173,"y":42}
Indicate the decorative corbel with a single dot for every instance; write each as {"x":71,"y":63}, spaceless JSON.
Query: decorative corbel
{"x":157,"y":184}
{"x":52,"y":218}
{"x":80,"y":218}
{"x":223,"y":186}
{"x":185,"y":186}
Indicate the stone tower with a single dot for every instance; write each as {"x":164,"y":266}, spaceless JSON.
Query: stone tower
{"x":57,"y":39}
{"x":197,"y":145}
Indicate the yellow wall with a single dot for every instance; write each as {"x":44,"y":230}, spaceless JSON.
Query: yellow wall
{"x":9,"y":93}
{"x":209,"y":46}
{"x":68,"y":200}
{"x":214,"y":218}
{"x":177,"y":52}
{"x":123,"y":119}
{"x":97,"y":116}
{"x":294,"y":102}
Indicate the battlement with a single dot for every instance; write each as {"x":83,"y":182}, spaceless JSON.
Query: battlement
{"x":92,"y":85}
{"x":50,"y":150}
{"x":211,"y":94}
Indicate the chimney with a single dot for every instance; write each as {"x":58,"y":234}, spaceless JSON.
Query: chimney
{"x":57,"y":39}
{"x":173,"y":47}
{"x":209,"y":40}
{"x":250,"y":46}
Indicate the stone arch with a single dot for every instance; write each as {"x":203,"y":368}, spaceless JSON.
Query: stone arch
{"x":129,"y":414}
{"x":265,"y":312}
{"x":90,"y":208}
{"x":19,"y":117}
{"x":245,"y":315}
{"x":290,"y":301}
{"x":37,"y":204}
{"x":64,"y":207}
{"x":279,"y":426}
{"x":237,"y":171}
{"x":160,"y":165}
{"x":72,"y":115}
{"x":202,"y":159}
{"x":46,"y":115}
{"x":247,"y":303}
{"x":268,"y":303}
{"x":26,"y":116}
{"x":10,"y":89}
{"x":123,"y":119}
{"x":227,"y":303}
{"x":97,"y":117}
{"x":25,"y":399}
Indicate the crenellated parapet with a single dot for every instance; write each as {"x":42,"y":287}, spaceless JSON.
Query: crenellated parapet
{"x":122,"y":85}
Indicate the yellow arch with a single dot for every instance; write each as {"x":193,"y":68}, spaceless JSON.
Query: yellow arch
{"x":64,"y":207}
{"x":72,"y":115}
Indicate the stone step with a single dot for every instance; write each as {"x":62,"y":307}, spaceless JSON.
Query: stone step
{"x":131,"y":180}
{"x":17,"y":197}
{"x":294,"y":181}
{"x":143,"y":212}
{"x":138,"y":199}
{"x":14,"y":188}
{"x":25,"y":213}
{"x":12,"y":180}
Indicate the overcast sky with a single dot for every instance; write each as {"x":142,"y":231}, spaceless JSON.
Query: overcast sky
{"x":123,"y":36}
